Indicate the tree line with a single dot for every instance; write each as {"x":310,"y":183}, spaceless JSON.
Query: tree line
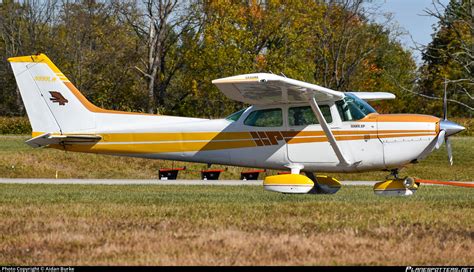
{"x":160,"y":56}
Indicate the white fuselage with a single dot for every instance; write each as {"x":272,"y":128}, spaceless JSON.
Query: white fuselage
{"x":375,"y":142}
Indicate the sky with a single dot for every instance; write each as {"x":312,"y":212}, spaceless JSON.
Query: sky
{"x":410,"y":15}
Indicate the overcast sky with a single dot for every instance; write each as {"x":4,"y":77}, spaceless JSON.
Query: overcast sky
{"x":410,"y":15}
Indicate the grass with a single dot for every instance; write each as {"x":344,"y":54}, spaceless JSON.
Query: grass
{"x":221,"y":225}
{"x":18,"y":160}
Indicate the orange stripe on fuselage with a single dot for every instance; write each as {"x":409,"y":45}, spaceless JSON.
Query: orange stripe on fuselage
{"x":409,"y":118}
{"x":346,"y":132}
{"x":351,"y":138}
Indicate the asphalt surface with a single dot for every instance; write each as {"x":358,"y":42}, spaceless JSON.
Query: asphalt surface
{"x":163,"y":182}
{"x":154,"y":182}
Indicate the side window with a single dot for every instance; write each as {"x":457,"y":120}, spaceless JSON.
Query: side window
{"x":303,"y":116}
{"x":265,"y":118}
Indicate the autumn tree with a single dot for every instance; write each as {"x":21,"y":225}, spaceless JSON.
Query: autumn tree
{"x":449,"y":59}
{"x":98,"y":53}
{"x":160,"y":27}
{"x":331,"y":43}
{"x":245,"y":37}
{"x":24,"y":28}
{"x":161,"y":56}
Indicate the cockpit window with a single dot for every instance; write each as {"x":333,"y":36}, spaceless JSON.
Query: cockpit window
{"x":303,"y":116}
{"x":235,"y":116}
{"x":352,"y":108}
{"x":265,"y":118}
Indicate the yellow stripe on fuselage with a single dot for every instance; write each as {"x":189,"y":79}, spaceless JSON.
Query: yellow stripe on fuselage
{"x":131,"y":148}
{"x":185,"y":136}
{"x":148,"y":143}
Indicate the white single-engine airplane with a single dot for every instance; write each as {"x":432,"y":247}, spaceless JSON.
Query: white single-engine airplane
{"x":291,"y":125}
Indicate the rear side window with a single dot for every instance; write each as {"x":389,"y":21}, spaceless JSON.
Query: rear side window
{"x":265,"y":118}
{"x":303,"y":116}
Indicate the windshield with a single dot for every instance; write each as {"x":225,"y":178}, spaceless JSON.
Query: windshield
{"x":235,"y":116}
{"x":352,"y":108}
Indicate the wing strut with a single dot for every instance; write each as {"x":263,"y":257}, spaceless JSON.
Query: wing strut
{"x":327,"y":131}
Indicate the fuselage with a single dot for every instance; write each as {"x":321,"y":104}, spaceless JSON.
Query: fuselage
{"x":281,"y":130}
{"x":374,"y":142}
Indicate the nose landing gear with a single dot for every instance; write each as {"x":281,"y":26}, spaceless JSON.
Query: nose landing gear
{"x":394,"y":185}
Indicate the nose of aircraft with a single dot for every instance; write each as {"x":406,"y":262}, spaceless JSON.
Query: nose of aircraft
{"x":451,"y":128}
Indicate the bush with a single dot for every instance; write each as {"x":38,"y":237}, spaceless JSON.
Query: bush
{"x":14,"y":125}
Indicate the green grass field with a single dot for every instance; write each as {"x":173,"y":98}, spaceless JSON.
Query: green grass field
{"x":222,"y":225}
{"x":18,"y":160}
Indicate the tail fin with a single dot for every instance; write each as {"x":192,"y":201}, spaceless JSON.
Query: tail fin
{"x":52,"y":102}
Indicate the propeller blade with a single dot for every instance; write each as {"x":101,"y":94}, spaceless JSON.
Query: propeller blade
{"x":440,"y":139}
{"x":450,"y":151}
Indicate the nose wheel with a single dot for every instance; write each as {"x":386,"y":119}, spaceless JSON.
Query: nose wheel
{"x":396,"y":186}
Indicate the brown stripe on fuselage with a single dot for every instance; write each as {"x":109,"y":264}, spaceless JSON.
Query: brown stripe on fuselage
{"x":274,"y":137}
{"x":256,"y":138}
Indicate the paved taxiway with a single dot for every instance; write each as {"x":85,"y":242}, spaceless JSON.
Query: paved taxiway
{"x":154,"y":182}
{"x":161,"y":182}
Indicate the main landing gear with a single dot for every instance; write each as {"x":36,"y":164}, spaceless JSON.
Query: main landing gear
{"x":394,"y":185}
{"x":295,"y":183}
{"x":323,"y":184}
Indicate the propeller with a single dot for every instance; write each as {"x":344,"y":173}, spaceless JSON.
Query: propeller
{"x":447,"y":128}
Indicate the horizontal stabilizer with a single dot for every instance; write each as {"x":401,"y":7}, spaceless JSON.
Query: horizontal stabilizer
{"x":48,"y":139}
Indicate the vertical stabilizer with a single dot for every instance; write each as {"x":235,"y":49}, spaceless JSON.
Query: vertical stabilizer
{"x":52,"y":102}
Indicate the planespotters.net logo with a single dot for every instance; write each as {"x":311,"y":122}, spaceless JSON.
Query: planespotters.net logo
{"x":439,"y":269}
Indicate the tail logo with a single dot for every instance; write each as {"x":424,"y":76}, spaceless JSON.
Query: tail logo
{"x":57,"y":97}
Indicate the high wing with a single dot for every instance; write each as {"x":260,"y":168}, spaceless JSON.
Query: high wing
{"x":263,"y":88}
{"x":48,"y":139}
{"x":373,"y":96}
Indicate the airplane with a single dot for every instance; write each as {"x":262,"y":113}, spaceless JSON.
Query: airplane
{"x":291,"y":125}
